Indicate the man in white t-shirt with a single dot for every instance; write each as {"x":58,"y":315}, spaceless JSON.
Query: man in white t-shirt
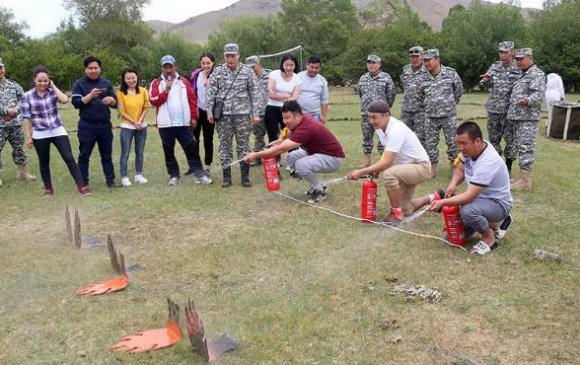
{"x":404,"y":161}
{"x":314,"y":90}
{"x":487,"y":202}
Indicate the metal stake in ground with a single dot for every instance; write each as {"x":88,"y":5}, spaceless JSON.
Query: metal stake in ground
{"x":77,"y":235}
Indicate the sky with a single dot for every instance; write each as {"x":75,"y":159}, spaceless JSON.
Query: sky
{"x":44,"y":16}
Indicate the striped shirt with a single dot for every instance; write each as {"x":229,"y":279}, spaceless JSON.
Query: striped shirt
{"x":42,"y":111}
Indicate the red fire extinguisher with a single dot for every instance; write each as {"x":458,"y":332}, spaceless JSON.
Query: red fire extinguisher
{"x":271,"y":173}
{"x":369,"y":201}
{"x":453,"y":224}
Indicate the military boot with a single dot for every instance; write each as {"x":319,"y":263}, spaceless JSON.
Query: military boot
{"x":524,"y":182}
{"x":23,"y":174}
{"x":227,"y":180}
{"x":366,"y":162}
{"x":245,"y":169}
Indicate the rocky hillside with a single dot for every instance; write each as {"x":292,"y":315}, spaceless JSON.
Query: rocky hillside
{"x":197,"y":28}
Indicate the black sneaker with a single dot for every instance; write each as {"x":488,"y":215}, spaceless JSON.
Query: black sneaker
{"x":294,"y":175}
{"x":311,"y":191}
{"x":503,"y":227}
{"x":317,"y":197}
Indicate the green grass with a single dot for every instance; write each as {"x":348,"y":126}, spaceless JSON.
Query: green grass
{"x":293,"y":284}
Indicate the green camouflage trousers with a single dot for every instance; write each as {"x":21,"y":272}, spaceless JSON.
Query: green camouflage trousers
{"x":259,"y":131}
{"x":368,"y":132}
{"x":525,"y":142}
{"x":231,"y":126}
{"x":499,"y":126}
{"x":15,"y":136}
{"x":415,"y":121}
{"x":432,"y":127}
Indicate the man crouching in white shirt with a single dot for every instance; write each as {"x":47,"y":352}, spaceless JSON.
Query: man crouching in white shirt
{"x":404,"y":161}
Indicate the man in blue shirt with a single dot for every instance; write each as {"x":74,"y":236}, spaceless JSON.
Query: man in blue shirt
{"x":487,"y":201}
{"x":93,"y":95}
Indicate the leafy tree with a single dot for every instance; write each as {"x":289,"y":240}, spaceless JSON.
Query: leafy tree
{"x":555,"y":35}
{"x":469,"y":38}
{"x":11,"y":31}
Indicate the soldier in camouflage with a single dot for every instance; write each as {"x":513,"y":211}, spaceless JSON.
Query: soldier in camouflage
{"x":11,"y":123}
{"x":500,"y":78}
{"x":235,"y":84}
{"x":412,"y":110}
{"x":259,"y":129}
{"x":373,"y":85}
{"x":524,"y":113}
{"x":440,"y":91}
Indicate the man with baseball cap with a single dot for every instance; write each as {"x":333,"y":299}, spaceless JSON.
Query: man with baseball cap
{"x":524,"y":114}
{"x":233,"y":86}
{"x":440,"y":91}
{"x":412,"y":109}
{"x":11,"y":123}
{"x":500,"y":79}
{"x":373,"y":85}
{"x":259,"y":129}
{"x":176,"y":105}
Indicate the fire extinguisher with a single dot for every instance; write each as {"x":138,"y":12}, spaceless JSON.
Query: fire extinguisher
{"x":369,"y":201}
{"x":271,"y":173}
{"x":453,"y":224}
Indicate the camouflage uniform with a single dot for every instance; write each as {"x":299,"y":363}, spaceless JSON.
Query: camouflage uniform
{"x":531,"y":85}
{"x":412,"y":110}
{"x":260,"y":128}
{"x":440,"y":95}
{"x":242,"y":100}
{"x":501,"y":82}
{"x":371,"y":88}
{"x":11,"y":128}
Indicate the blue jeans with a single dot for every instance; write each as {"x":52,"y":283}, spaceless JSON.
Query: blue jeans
{"x":127,"y":136}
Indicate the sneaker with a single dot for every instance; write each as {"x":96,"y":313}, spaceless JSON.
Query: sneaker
{"x":202,"y":180}
{"x":125,"y":181}
{"x":481,"y":248}
{"x":317,"y":196}
{"x":111,"y":184}
{"x":293,"y":174}
{"x":140,"y":179}
{"x":392,"y":220}
{"x":311,"y":191}
{"x":47,"y":192}
{"x":503,"y":227}
{"x":174,"y":181}
{"x":84,"y":191}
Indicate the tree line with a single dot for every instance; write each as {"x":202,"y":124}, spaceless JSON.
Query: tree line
{"x":343,"y":36}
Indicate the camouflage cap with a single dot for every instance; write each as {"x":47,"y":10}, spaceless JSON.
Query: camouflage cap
{"x":523,"y":52}
{"x":416,"y":51}
{"x":430,"y":53}
{"x":374,"y":58}
{"x":505,"y":46}
{"x":1,"y":63}
{"x":252,"y":61}
{"x":231,"y":48}
{"x":167,"y":59}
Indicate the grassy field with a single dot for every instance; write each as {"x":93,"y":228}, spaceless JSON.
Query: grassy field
{"x":293,"y":284}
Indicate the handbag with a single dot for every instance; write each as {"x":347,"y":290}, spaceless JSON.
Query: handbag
{"x":218,"y":107}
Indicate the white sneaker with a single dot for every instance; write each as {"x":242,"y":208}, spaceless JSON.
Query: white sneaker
{"x":174,"y":181}
{"x":202,"y":180}
{"x":140,"y":179}
{"x":125,"y":181}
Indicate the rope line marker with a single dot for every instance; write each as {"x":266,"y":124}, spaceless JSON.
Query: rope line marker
{"x":413,"y":217}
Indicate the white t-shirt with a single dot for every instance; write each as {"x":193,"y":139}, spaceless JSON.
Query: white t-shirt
{"x":201,"y":91}
{"x":313,"y":92}
{"x":49,"y":133}
{"x":282,"y":86}
{"x":399,"y":139}
{"x":490,"y":172}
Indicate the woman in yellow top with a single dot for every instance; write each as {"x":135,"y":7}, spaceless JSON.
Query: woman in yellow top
{"x":133,"y":105}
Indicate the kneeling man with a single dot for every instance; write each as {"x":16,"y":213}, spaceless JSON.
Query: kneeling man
{"x":487,"y":202}
{"x":314,"y":149}
{"x":404,"y":161}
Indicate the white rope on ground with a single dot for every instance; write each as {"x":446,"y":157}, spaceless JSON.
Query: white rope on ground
{"x":369,"y":221}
